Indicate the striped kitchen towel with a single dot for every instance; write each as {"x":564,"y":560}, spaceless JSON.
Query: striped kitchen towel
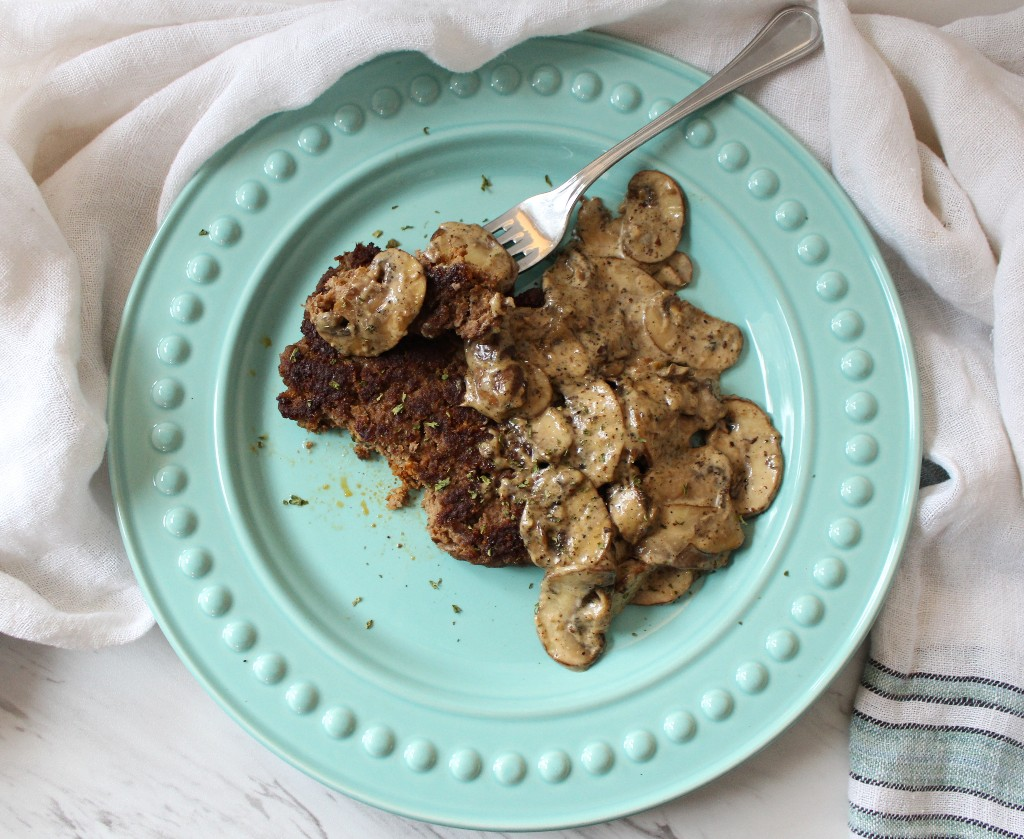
{"x":936,"y":755}
{"x":937,"y":167}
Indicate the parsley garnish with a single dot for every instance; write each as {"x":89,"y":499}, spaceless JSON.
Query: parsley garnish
{"x":485,"y":183}
{"x":295,"y":501}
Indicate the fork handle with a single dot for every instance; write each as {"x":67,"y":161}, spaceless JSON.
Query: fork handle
{"x":793,"y":33}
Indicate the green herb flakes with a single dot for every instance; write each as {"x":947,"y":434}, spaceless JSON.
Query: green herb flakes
{"x":485,"y":183}
{"x":295,"y":501}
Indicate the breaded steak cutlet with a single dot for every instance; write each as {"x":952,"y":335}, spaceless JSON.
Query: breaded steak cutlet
{"x":406,"y":405}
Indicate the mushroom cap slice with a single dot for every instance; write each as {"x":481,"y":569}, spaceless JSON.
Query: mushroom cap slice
{"x":748,"y":439}
{"x":675,"y":273}
{"x":574,"y":610}
{"x":689,"y":335}
{"x":455,"y":241}
{"x":495,"y":382}
{"x":700,"y":477}
{"x":624,"y":287}
{"x":599,"y":233}
{"x":695,"y":517}
{"x":664,"y":584}
{"x":550,"y":435}
{"x":546,"y":344}
{"x":629,"y":577}
{"x":685,"y":536}
{"x":565,"y":522}
{"x":366,"y":311}
{"x":629,"y":511}
{"x":653,"y":215}
{"x":598,"y":429}
{"x":580,"y":298}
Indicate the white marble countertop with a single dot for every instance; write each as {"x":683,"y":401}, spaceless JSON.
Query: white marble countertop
{"x":124,"y":742}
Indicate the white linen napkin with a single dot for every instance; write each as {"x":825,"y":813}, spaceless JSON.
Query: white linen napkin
{"x":105,"y":117}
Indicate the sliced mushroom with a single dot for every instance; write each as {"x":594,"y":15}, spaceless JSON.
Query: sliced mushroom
{"x":625,"y":286}
{"x":598,"y":430}
{"x":569,"y":284}
{"x":630,"y":574}
{"x":685,"y":536}
{"x":565,"y":522}
{"x":599,"y":233}
{"x":566,"y":529}
{"x":663,"y":408}
{"x":652,"y":217}
{"x":495,"y":382}
{"x":675,"y":273}
{"x":585,"y":304}
{"x":629,"y":511}
{"x":664,"y":585}
{"x":689,"y":335}
{"x":547,"y":344}
{"x":366,"y":311}
{"x":695,"y":513}
{"x":539,"y":392}
{"x":701,"y":477}
{"x":748,"y":439}
{"x":550,"y":435}
{"x":574,"y":611}
{"x":455,"y":241}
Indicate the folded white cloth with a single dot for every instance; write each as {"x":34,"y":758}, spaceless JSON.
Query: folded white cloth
{"x":105,"y":116}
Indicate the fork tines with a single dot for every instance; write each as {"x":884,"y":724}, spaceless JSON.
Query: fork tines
{"x":516,"y":239}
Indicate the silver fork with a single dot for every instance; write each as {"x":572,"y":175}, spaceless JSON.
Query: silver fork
{"x":535,"y":227}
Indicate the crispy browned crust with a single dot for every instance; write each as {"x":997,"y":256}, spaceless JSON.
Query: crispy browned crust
{"x":406,"y":405}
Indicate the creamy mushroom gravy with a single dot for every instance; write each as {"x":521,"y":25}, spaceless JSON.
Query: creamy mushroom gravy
{"x":634,"y":470}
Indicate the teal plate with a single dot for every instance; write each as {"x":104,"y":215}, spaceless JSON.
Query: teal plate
{"x":334,"y":630}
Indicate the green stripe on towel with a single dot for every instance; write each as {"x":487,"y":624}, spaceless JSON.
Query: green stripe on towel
{"x":905,"y":756}
{"x":947,"y":690}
